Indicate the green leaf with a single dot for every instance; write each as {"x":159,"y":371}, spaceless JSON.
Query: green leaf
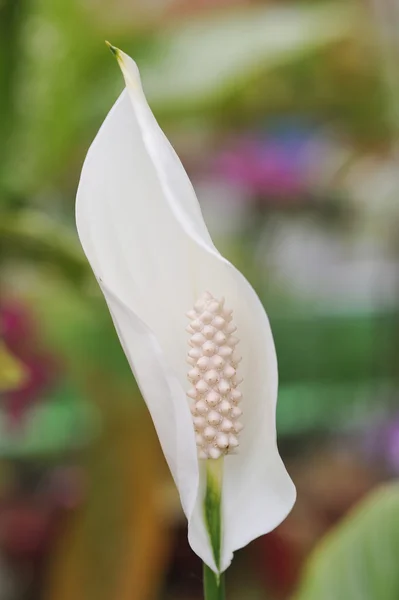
{"x":359,"y":559}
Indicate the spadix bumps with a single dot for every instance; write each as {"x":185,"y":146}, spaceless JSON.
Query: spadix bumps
{"x":215,"y":393}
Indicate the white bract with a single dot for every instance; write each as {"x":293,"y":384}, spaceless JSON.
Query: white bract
{"x":142,"y":230}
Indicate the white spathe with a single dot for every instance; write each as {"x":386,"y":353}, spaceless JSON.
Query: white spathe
{"x":142,"y":230}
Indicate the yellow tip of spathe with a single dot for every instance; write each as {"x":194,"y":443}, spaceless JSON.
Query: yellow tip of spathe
{"x":115,"y":51}
{"x":125,"y":65}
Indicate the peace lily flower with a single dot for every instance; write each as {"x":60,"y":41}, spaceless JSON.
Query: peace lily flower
{"x":185,"y":317}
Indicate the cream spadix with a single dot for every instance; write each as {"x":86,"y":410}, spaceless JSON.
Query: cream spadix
{"x":142,"y":230}
{"x":215,"y":392}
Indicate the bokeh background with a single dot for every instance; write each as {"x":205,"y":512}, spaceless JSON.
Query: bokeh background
{"x":286,"y":117}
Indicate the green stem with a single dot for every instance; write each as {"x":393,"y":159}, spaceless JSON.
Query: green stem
{"x":214,"y":582}
{"x":213,"y":585}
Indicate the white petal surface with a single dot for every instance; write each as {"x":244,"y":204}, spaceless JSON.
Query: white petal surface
{"x":142,"y":230}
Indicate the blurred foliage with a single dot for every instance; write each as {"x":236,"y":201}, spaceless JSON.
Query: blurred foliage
{"x":10,"y":21}
{"x":330,"y":407}
{"x":55,"y":65}
{"x":77,"y":323}
{"x":60,"y":424}
{"x":359,"y":558}
{"x":60,"y":83}
{"x":353,"y":345}
{"x":34,"y":237}
{"x":221,"y":71}
{"x":191,"y":69}
{"x":337,"y":387}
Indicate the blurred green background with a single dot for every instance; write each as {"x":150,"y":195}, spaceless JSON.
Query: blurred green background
{"x":286,"y":117}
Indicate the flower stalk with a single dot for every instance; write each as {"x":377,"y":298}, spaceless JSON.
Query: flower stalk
{"x":214,"y":588}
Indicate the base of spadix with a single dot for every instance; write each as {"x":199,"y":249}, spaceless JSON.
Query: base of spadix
{"x":214,"y":582}
{"x":213,"y":505}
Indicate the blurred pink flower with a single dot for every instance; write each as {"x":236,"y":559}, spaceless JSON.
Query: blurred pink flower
{"x":266,"y":169}
{"x":285,"y":163}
